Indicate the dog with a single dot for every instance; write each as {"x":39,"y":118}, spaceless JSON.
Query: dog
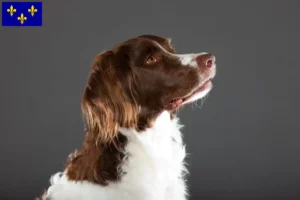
{"x":133,"y":148}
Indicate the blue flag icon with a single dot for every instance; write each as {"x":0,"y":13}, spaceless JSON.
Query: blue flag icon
{"x":22,"y":14}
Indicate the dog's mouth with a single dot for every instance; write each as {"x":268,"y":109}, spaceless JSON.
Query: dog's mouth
{"x":198,"y":93}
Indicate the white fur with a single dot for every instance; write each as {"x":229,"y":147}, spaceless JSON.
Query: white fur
{"x":188,"y":59}
{"x":185,"y":59}
{"x":154,"y":169}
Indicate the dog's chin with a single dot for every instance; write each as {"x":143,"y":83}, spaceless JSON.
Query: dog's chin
{"x":199,"y":93}
{"x":194,"y":95}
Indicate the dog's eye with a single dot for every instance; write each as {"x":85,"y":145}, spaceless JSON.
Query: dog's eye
{"x":151,"y":59}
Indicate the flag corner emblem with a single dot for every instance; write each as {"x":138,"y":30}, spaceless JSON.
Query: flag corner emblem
{"x":22,"y":14}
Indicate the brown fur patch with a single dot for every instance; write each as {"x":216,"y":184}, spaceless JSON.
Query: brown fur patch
{"x":98,"y":163}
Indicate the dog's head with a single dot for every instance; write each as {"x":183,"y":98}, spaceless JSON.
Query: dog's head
{"x":132,"y":83}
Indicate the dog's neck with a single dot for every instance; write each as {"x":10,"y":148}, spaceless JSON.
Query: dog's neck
{"x":162,"y":123}
{"x":99,"y":163}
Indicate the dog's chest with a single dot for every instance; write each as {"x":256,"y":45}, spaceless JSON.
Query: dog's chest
{"x":152,"y":169}
{"x":155,"y":157}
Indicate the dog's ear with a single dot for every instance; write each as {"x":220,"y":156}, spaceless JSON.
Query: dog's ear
{"x":105,"y":104}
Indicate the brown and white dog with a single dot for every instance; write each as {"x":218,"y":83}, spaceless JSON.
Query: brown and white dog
{"x":133,"y":148}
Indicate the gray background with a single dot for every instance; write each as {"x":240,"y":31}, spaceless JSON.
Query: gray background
{"x":243,"y":142}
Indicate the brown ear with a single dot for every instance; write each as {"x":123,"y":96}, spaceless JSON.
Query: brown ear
{"x":105,"y":104}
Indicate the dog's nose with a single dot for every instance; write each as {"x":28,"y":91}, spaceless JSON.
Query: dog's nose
{"x":206,"y":60}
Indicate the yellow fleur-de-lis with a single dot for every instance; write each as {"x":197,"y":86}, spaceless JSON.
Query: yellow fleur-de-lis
{"x":32,"y":10}
{"x":11,"y":10}
{"x":22,"y":18}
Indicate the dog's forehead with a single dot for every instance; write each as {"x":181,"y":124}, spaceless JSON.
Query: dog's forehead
{"x":160,"y":40}
{"x":156,"y":38}
{"x":143,"y":42}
